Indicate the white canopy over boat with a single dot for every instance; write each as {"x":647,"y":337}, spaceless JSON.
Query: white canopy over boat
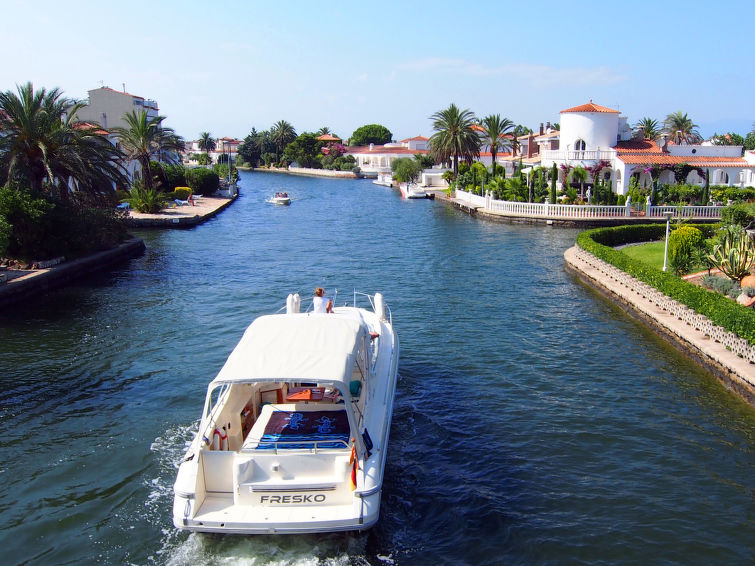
{"x":319,"y":347}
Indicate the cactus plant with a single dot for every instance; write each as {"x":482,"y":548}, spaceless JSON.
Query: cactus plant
{"x":734,"y":253}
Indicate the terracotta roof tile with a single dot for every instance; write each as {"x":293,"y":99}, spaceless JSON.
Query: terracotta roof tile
{"x":637,"y":146}
{"x":591,"y":107}
{"x":415,"y":138}
{"x":378,"y":149}
{"x":698,"y":161}
{"x":328,"y":137}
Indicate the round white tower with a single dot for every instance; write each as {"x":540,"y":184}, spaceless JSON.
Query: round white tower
{"x":588,"y":127}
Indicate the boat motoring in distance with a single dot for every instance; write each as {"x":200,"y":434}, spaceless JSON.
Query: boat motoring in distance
{"x":294,"y":433}
{"x":412,"y":190}
{"x":280,"y":198}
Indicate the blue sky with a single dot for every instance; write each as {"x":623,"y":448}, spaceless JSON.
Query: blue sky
{"x":225,"y":67}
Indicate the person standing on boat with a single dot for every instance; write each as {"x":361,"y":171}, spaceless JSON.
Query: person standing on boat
{"x":320,"y":303}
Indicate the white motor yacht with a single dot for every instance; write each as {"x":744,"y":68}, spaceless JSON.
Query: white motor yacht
{"x":294,"y":433}
{"x":412,"y":190}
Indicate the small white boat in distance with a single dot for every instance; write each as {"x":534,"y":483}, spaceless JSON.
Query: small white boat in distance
{"x":294,"y":433}
{"x":412,"y":190}
{"x":280,"y":198}
{"x":385,"y":179}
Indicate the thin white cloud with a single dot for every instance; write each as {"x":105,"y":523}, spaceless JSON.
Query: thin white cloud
{"x":362,"y":78}
{"x":533,"y":75}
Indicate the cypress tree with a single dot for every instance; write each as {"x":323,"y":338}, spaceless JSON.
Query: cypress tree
{"x":554,"y":176}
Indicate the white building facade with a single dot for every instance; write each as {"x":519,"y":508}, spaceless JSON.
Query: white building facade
{"x":591,"y":134}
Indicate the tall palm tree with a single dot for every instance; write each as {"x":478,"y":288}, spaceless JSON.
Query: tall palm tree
{"x":651,"y":129}
{"x":494,"y":130}
{"x":145,"y":138}
{"x":322,"y":131}
{"x":681,"y":128}
{"x":44,"y":146}
{"x":282,"y":133}
{"x":454,"y":136}
{"x":206,"y":142}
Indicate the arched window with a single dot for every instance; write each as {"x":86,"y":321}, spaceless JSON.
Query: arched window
{"x":579,"y":145}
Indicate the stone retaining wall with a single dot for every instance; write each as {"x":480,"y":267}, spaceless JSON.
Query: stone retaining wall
{"x":40,"y":281}
{"x":726,"y":355}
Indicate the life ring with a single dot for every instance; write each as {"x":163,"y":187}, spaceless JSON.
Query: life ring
{"x":219,"y":440}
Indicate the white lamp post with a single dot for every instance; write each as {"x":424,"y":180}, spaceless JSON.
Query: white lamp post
{"x":668,"y":216}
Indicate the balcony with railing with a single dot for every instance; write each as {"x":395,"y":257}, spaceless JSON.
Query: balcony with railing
{"x":582,"y":155}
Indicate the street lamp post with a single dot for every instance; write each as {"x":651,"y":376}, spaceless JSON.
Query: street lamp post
{"x":668,"y":216}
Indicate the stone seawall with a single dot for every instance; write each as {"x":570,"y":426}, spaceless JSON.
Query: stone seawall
{"x":40,"y":281}
{"x":730,"y":358}
{"x":310,"y":172}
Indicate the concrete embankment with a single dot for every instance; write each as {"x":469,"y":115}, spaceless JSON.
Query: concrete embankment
{"x":730,"y":358}
{"x":185,"y":216}
{"x":37,"y":281}
{"x":309,"y":172}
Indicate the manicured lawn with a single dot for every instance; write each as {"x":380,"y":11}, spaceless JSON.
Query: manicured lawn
{"x":650,"y":253}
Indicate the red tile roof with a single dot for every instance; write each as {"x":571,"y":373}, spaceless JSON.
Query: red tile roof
{"x":328,"y":137}
{"x":591,"y":107}
{"x":415,"y":138}
{"x":698,"y":161}
{"x":637,"y":146}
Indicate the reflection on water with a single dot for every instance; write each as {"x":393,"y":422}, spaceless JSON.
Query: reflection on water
{"x":534,"y":422}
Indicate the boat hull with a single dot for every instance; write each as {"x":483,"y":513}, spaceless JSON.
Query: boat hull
{"x":304,"y":480}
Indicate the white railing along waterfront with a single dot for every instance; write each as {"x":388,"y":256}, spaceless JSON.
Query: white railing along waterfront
{"x":684,"y":211}
{"x":533,"y":209}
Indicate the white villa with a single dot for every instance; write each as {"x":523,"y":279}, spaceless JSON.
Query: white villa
{"x":224,"y":145}
{"x":591,"y":133}
{"x":378,"y":158}
{"x":106,"y":107}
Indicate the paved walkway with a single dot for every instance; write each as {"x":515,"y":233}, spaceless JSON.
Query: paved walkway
{"x":730,"y":358}
{"x":181,"y":216}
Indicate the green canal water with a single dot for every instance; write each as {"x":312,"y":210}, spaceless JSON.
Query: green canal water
{"x":534,"y":422}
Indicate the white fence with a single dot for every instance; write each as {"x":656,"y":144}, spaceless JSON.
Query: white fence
{"x":532,"y":209}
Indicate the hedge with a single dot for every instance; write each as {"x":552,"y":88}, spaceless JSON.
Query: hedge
{"x":202,"y":181}
{"x":721,"y":310}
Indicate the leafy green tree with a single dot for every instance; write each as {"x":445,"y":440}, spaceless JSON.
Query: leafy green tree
{"x":206,"y":142}
{"x":494,"y":131}
{"x":204,"y":159}
{"x":681,"y":128}
{"x":202,"y":181}
{"x":454,"y":136}
{"x":249,"y":150}
{"x":520,"y":130}
{"x":370,"y":133}
{"x":425,"y":160}
{"x":281,"y":134}
{"x":44,"y":147}
{"x":304,"y":150}
{"x":749,"y":144}
{"x":650,"y":128}
{"x":406,"y":169}
{"x":145,"y":138}
{"x":729,"y":138}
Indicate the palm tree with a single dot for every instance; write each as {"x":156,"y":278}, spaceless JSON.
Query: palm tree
{"x":651,"y":129}
{"x":454,"y":136}
{"x":681,"y":128}
{"x":42,"y":145}
{"x":282,"y":133}
{"x":322,"y":131}
{"x":206,"y":142}
{"x":494,"y":130}
{"x":145,"y":138}
{"x":579,"y":174}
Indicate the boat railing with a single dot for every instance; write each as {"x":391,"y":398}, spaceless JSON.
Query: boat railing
{"x":371,"y":301}
{"x":313,"y":446}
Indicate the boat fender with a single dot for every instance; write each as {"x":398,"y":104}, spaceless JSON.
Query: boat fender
{"x":297,"y":302}
{"x":290,"y":304}
{"x":379,"y":306}
{"x":367,"y":443}
{"x":219,"y":439}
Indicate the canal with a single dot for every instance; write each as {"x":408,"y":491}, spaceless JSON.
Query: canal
{"x":534,"y":421}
